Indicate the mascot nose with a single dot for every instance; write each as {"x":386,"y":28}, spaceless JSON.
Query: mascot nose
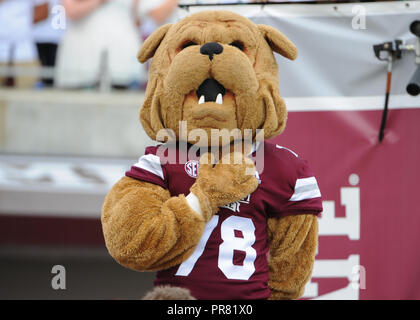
{"x":211,"y":48}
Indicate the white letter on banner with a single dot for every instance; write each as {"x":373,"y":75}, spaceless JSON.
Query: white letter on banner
{"x":350,"y":226}
{"x":330,"y":225}
{"x":335,"y":269}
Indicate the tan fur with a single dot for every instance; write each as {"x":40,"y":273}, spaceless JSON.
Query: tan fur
{"x":250,"y":77}
{"x":145,"y":228}
{"x":293,"y":243}
{"x":211,"y":181}
{"x":169,"y":293}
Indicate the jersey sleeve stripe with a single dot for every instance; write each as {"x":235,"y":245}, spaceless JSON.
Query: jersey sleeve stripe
{"x":305,"y":188}
{"x":150,"y":163}
{"x":292,"y":152}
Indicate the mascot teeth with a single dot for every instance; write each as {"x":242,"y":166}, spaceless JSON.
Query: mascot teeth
{"x":219,"y":99}
{"x":211,"y":90}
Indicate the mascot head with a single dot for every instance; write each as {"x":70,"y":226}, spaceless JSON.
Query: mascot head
{"x":213,"y":71}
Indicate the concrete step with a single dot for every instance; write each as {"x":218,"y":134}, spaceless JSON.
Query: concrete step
{"x":73,"y":123}
{"x":57,"y":186}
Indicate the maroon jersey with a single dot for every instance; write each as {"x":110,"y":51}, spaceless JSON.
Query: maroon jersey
{"x":230,"y":261}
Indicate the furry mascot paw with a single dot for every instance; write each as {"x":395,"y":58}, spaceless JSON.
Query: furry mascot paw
{"x":213,"y":222}
{"x":169,"y":293}
{"x":224,"y":182}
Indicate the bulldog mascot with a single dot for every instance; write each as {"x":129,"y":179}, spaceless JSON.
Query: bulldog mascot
{"x":212,"y":222}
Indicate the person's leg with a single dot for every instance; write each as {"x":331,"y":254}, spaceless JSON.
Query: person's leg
{"x":6,"y":81}
{"x":47,"y":54}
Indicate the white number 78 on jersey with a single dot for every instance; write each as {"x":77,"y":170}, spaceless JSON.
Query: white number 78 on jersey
{"x":227,"y":247}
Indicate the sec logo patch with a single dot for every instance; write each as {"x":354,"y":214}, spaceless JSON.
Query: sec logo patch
{"x":191,"y":168}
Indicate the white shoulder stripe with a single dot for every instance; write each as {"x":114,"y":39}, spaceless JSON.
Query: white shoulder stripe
{"x":151,"y":163}
{"x":294,"y":153}
{"x":306,"y":188}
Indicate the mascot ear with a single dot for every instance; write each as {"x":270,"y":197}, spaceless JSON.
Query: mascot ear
{"x":151,"y":44}
{"x":278,"y":42}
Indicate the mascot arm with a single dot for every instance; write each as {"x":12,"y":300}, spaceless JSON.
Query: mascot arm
{"x":293,"y":243}
{"x":146,"y":229}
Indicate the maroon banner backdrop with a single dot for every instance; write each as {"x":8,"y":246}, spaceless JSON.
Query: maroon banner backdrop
{"x":370,"y":228}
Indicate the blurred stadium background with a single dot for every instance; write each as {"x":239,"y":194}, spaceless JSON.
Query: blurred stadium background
{"x":63,"y":144}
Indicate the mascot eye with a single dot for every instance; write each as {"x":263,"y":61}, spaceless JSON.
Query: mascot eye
{"x":187,"y":44}
{"x":238,"y":44}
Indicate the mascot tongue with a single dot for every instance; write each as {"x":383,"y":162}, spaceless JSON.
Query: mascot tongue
{"x":210,"y":90}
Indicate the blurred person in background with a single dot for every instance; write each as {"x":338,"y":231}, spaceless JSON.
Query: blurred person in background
{"x":102,"y":41}
{"x":46,"y":36}
{"x":154,"y":14}
{"x":16,"y":43}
